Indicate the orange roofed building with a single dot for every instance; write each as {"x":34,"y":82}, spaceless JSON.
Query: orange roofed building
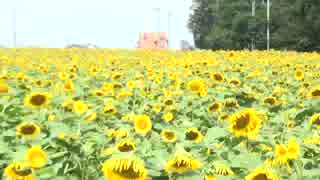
{"x":153,"y":40}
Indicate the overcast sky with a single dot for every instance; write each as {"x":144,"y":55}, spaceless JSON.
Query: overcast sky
{"x":106,"y":23}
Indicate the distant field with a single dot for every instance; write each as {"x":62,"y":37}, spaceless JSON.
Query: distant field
{"x":111,"y":114}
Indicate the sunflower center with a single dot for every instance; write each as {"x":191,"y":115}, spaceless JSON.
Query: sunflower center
{"x":126,"y":147}
{"x":195,"y":86}
{"x":28,"y":129}
{"x":181,"y":164}
{"x":22,"y":172}
{"x":270,"y":101}
{"x":214,"y":107}
{"x":317,"y":121}
{"x":38,"y":100}
{"x":129,"y":173}
{"x":242,"y":122}
{"x":316,"y":92}
{"x":260,"y":177}
{"x":142,"y":124}
{"x":191,"y":135}
{"x":169,"y":135}
{"x":168,"y":102}
{"x":218,"y":77}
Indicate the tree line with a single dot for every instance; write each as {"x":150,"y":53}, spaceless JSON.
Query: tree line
{"x":242,"y":24}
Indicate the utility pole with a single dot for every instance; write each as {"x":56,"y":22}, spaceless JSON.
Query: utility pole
{"x":158,"y":20}
{"x":253,"y":13}
{"x":169,"y":26}
{"x":14,"y":28}
{"x":268,"y":25}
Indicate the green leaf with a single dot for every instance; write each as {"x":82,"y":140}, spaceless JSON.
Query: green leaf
{"x":213,"y":134}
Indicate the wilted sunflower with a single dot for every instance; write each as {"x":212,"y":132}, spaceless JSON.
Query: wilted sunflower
{"x":245,"y":123}
{"x":124,"y":169}
{"x":193,"y":134}
{"x":28,"y":130}
{"x":37,"y":100}
{"x":142,"y":124}
{"x":126,"y":146}
{"x":80,"y":107}
{"x":214,"y":107}
{"x":168,"y":136}
{"x":182,"y":162}
{"x":19,"y":171}
{"x":36,"y":157}
{"x":315,"y":120}
{"x":261,"y":174}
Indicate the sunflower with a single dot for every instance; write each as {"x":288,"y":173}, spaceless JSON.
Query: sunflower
{"x":124,"y":169}
{"x":126,"y":146}
{"x":98,"y":92}
{"x":293,"y":149}
{"x":124,"y":94}
{"x":299,"y":75}
{"x":37,"y":100}
{"x":157,"y":107}
{"x":109,"y":109}
{"x":19,"y":171}
{"x":210,"y":177}
{"x":235,"y":82}
{"x":214,"y":107}
{"x":79,"y":107}
{"x":271,"y":101}
{"x":314,"y":93}
{"x":315,"y":120}
{"x":130,"y":84}
{"x":28,"y":130}
{"x":119,"y":133}
{"x":230,"y":103}
{"x":245,"y":123}
{"x":217,"y":77}
{"x":167,"y":117}
{"x":223,"y":170}
{"x":68,"y":104}
{"x":91,"y":116}
{"x":196,"y":86}
{"x":261,"y":174}
{"x":281,"y":152}
{"x":182,"y":162}
{"x":193,"y":134}
{"x":142,"y":124}
{"x":36,"y":157}
{"x":68,"y":86}
{"x":168,"y":136}
{"x":4,"y":88}
{"x":168,"y":102}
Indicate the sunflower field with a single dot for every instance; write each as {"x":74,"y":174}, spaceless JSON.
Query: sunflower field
{"x":107,"y":114}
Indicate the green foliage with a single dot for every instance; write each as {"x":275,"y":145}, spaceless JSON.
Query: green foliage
{"x":230,"y":24}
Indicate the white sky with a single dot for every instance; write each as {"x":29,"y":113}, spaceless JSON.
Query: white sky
{"x":106,"y":23}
